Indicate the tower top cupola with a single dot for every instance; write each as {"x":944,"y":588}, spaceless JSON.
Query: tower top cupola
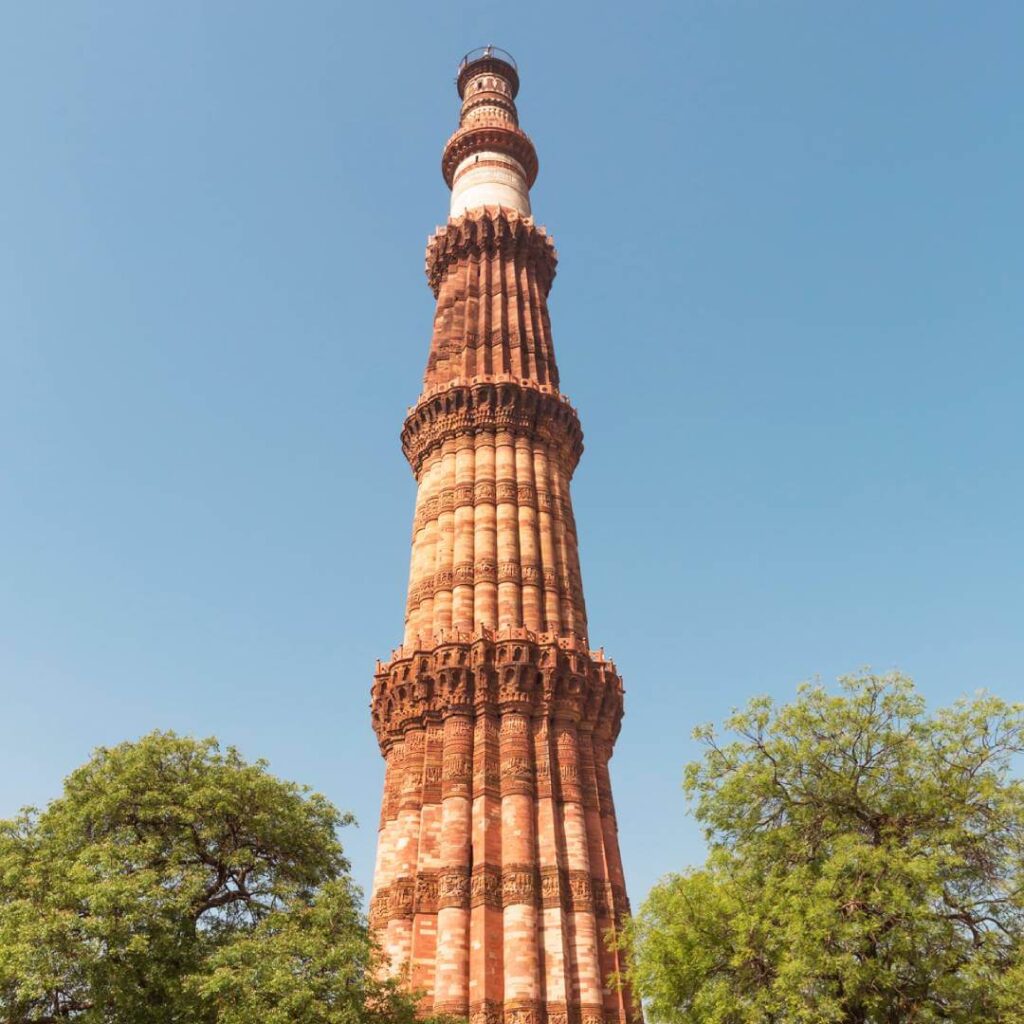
{"x":490,"y":160}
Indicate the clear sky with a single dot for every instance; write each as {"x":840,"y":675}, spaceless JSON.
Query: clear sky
{"x":789,"y":309}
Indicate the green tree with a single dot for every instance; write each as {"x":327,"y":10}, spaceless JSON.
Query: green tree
{"x":866,"y":864}
{"x":175,"y":883}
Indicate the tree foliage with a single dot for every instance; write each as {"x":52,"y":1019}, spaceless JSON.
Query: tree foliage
{"x":175,"y":882}
{"x":866,"y":866}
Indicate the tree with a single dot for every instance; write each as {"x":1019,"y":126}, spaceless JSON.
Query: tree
{"x":173,"y":883}
{"x":866,"y":865}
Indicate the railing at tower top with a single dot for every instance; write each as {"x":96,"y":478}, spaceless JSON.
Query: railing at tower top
{"x":483,"y":52}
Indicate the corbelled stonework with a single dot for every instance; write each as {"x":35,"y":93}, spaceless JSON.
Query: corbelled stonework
{"x":498,"y":875}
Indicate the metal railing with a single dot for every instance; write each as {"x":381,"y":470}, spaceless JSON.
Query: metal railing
{"x":482,"y":52}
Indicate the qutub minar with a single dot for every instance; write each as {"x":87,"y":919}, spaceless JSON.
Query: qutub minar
{"x":498,"y":875}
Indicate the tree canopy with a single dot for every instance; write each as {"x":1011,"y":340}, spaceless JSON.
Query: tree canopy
{"x":866,"y":865}
{"x":175,"y":883}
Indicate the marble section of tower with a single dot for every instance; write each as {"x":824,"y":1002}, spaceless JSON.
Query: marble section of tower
{"x":498,"y":876}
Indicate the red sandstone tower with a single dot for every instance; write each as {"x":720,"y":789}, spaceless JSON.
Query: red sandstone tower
{"x":498,"y":872}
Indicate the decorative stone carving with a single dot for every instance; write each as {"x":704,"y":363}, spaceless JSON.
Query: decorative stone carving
{"x":550,"y":886}
{"x":518,"y":885}
{"x":453,"y":887}
{"x":426,"y":892}
{"x":523,"y":1011}
{"x":485,"y":1012}
{"x":486,"y":886}
{"x":581,"y":893}
{"x":402,"y":898}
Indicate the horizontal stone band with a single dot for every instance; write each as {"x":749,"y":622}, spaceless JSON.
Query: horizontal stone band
{"x":492,"y":886}
{"x":542,"y":676}
{"x":518,"y":409}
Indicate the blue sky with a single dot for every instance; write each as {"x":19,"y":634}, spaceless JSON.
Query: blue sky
{"x":788,"y":308}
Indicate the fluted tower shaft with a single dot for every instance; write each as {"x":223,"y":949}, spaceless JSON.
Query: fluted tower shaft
{"x":498,"y":878}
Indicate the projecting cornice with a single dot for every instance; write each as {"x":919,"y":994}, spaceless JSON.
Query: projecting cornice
{"x":488,"y":231}
{"x":508,"y":670}
{"x":490,"y":135}
{"x":491,"y":405}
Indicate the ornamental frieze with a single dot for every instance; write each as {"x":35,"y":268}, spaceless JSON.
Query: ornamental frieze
{"x":379,"y":908}
{"x":506,"y":491}
{"x":487,"y":1011}
{"x":453,"y":888}
{"x":485,"y":886}
{"x":550,"y":887}
{"x":543,"y":774}
{"x":530,"y":675}
{"x":457,"y":768}
{"x":508,"y":572}
{"x":487,"y":780}
{"x":523,"y":1011}
{"x":518,"y":885}
{"x":485,"y":571}
{"x":450,"y":1008}
{"x":581,"y":894}
{"x":426,"y":892}
{"x":530,"y":573}
{"x":484,"y":492}
{"x":516,"y":768}
{"x":459,"y":730}
{"x":401,"y":898}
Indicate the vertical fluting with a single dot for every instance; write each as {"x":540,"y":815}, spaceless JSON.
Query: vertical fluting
{"x":572,"y":617}
{"x":557,"y":974}
{"x":587,"y":980}
{"x":403,"y":885}
{"x":520,"y":366}
{"x":384,"y":866}
{"x":529,"y":541}
{"x":603,"y":900}
{"x":463,"y":546}
{"x":445,"y":545}
{"x":486,"y":953}
{"x":485,"y":536}
{"x":485,"y":365}
{"x":428,"y":862}
{"x":421,"y":577}
{"x":572,"y":547}
{"x":518,"y":863}
{"x":548,"y":551}
{"x":613,"y":859}
{"x":510,"y":608}
{"x":451,"y":984}
{"x":470,"y":320}
{"x":412,"y":603}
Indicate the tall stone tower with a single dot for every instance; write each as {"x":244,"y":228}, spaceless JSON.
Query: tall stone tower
{"x":498,"y":872}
